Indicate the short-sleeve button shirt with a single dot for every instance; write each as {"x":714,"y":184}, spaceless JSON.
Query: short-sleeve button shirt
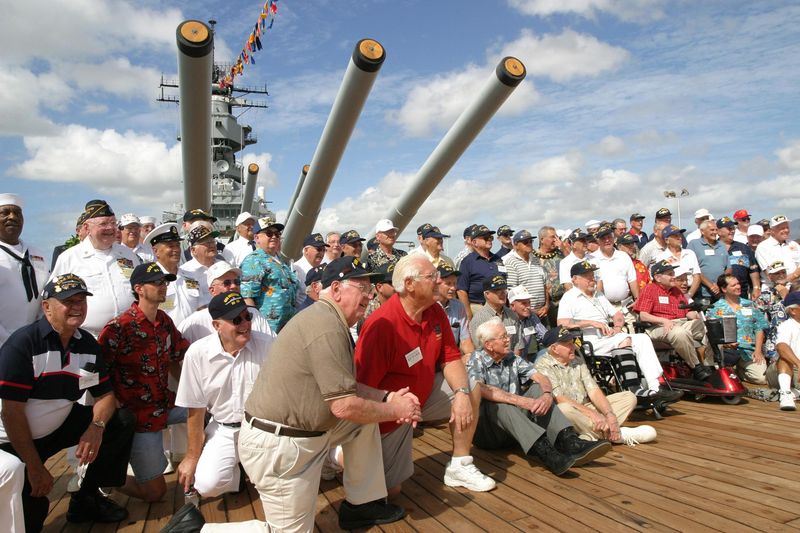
{"x":508,"y":374}
{"x":572,"y":380}
{"x":660,"y":302}
{"x":749,"y":321}
{"x":272,"y":285}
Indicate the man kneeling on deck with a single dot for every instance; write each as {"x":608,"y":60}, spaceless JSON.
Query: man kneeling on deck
{"x":531,"y":419}
{"x":593,"y":414}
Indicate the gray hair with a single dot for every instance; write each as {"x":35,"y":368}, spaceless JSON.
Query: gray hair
{"x":617,"y":221}
{"x":408,"y":267}
{"x":704,"y":224}
{"x":328,"y":235}
{"x":485,"y":331}
{"x":544,"y":230}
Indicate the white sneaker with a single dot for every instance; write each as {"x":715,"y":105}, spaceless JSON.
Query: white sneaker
{"x":332,"y":465}
{"x":637,"y":435}
{"x":462,"y":472}
{"x":787,"y":401}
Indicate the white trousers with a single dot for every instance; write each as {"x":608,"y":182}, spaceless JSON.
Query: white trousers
{"x":218,"y":467}
{"x":642,"y":348}
{"x":12,"y":479}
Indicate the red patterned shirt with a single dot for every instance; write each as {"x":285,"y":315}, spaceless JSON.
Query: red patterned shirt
{"x":138,"y":354}
{"x":642,"y":274}
{"x":658,"y":301}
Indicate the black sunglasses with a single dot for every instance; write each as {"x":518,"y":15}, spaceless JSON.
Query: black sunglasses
{"x":229,"y":282}
{"x":239,"y":319}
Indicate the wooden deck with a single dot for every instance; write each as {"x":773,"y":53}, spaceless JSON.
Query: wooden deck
{"x":714,"y":467}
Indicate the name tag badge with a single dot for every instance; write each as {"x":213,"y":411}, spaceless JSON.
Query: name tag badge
{"x":126,"y":272}
{"x":511,"y":330}
{"x":663,"y":299}
{"x":413,"y":357}
{"x":529,"y":330}
{"x":87,"y":379}
{"x":502,"y":269}
{"x":747,"y":311}
{"x":709,"y":252}
{"x":737,"y":253}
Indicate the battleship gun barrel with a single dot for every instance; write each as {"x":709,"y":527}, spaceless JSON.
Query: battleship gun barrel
{"x":195,"y":62}
{"x":362,"y":70}
{"x":249,"y":188}
{"x":297,"y":190}
{"x":506,"y":77}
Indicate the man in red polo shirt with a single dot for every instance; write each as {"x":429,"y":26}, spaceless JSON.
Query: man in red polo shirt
{"x":407,"y":342}
{"x":684,"y":330}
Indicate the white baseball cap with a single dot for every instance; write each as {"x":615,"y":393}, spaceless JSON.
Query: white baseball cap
{"x":518,"y":293}
{"x":385,"y":225}
{"x":128,"y":218}
{"x":218,"y":269}
{"x":777,"y":219}
{"x":244,"y":217}
{"x":701,"y":213}
{"x":148,"y":220}
{"x":755,"y":229}
{"x":7,"y":198}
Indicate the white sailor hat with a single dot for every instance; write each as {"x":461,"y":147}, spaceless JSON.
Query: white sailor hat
{"x":148,"y":220}
{"x":8,"y":198}
{"x":163,"y":233}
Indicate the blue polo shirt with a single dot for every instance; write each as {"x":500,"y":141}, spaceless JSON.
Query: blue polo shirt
{"x":713,"y":260}
{"x":474,"y":269}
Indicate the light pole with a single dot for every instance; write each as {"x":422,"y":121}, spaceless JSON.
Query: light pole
{"x":677,"y":197}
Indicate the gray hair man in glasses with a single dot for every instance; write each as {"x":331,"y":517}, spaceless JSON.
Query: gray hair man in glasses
{"x":218,"y":374}
{"x":221,"y":277}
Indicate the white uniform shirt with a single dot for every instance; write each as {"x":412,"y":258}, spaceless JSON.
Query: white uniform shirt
{"x":15,"y":309}
{"x":769,"y":251}
{"x":238,"y":250}
{"x":789,"y":333}
{"x":738,"y":236}
{"x":615,"y":272}
{"x":566,"y":264}
{"x":107,"y":274}
{"x":301,"y":268}
{"x":145,"y":252}
{"x":198,"y":325}
{"x":687,"y":261}
{"x":647,"y":255}
{"x":183,"y":297}
{"x":213,"y":379}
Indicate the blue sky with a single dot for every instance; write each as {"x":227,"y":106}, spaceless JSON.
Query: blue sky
{"x":623,"y":99}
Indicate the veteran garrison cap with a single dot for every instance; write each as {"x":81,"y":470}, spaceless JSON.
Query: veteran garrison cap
{"x":64,"y":286}
{"x":163,"y":233}
{"x":97,"y":208}
{"x":315,"y":240}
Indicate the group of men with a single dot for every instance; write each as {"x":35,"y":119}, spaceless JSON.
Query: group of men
{"x":272,"y":364}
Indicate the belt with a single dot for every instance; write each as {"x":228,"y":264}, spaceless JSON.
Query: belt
{"x":285,"y":431}
{"x":231,"y":424}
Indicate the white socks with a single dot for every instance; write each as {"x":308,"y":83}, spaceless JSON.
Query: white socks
{"x":784,"y":381}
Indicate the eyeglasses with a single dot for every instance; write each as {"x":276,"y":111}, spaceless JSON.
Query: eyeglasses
{"x":107,"y":224}
{"x":365,"y":289}
{"x":745,"y":218}
{"x":159,"y":282}
{"x":239,"y":319}
{"x":504,"y":337}
{"x":228,"y":282}
{"x":526,"y":242}
{"x":433,"y":276}
{"x":211,"y":243}
{"x":273,"y":233}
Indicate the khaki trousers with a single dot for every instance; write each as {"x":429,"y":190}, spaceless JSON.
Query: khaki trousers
{"x":286,"y":470}
{"x":622,"y":404}
{"x":684,"y":337}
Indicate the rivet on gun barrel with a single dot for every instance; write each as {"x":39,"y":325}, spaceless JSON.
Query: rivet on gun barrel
{"x":366,"y":60}
{"x":506,"y":77}
{"x":195,"y":63}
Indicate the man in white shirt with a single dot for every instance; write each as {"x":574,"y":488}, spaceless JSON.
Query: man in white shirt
{"x":217,"y":376}
{"x":781,"y":372}
{"x":699,"y":216}
{"x":104,"y":265}
{"x":616,"y":276}
{"x":678,"y":256}
{"x":23,"y":270}
{"x":244,"y":243}
{"x":579,"y":253}
{"x":778,"y":247}
{"x":221,"y":277}
{"x":313,"y":252}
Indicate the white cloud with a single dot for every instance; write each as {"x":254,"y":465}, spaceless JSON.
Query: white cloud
{"x":563,"y":168}
{"x":789,"y":156}
{"x":616,"y":181}
{"x":565,"y":56}
{"x":114,"y":76}
{"x":628,"y":10}
{"x":611,"y":145}
{"x":26,"y":95}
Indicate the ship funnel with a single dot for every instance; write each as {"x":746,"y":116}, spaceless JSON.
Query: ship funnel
{"x":508,"y":74}
{"x":249,"y":188}
{"x":195,"y":62}
{"x":297,"y":189}
{"x":366,"y":60}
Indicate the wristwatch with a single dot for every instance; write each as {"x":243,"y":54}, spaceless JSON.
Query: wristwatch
{"x":99,"y":423}
{"x":465,"y":390}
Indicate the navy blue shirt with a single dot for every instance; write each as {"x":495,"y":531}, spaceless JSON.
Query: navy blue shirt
{"x":743,"y":263}
{"x":502,"y":251}
{"x":34,"y":365}
{"x":641,"y":239}
{"x":474,"y":269}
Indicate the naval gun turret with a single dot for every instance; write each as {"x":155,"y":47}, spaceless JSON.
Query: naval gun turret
{"x":362,"y":70}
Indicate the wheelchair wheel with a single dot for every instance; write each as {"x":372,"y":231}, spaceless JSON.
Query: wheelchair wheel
{"x":731,"y":400}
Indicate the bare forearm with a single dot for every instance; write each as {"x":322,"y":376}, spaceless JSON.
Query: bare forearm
{"x":195,"y":433}
{"x":455,"y":373}
{"x":647,"y":317}
{"x":785,"y":353}
{"x":363,"y":411}
{"x":104,"y":407}
{"x":600,"y":401}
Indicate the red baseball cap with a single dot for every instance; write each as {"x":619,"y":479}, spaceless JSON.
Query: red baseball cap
{"x":740,"y":214}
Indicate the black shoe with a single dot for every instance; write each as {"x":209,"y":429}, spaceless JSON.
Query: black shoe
{"x":584,"y":451}
{"x":555,"y":461}
{"x":187,"y":519}
{"x":94,"y":508}
{"x":702,"y":373}
{"x":368,"y":514}
{"x":665,"y":396}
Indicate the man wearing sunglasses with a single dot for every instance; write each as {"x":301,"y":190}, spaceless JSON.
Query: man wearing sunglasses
{"x":267,"y":282}
{"x":221,"y":277}
{"x":142,"y":347}
{"x":742,"y":219}
{"x":778,"y":247}
{"x":218,"y":374}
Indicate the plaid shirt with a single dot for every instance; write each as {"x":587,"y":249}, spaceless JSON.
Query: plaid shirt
{"x":507,"y":374}
{"x":380,"y":258}
{"x":658,"y":301}
{"x":572,"y":380}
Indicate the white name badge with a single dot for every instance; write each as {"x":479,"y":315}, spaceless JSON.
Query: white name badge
{"x":709,"y":252}
{"x":663,"y":299}
{"x":87,"y":379}
{"x":737,"y":253}
{"x":413,"y":357}
{"x":502,"y":268}
{"x":531,"y":330}
{"x":747,"y":311}
{"x":511,"y":330}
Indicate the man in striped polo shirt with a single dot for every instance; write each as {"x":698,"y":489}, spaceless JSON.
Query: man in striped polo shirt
{"x":523,"y":268}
